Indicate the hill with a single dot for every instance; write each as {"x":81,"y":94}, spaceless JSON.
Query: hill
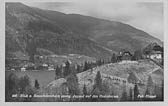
{"x":68,"y":33}
{"x":115,"y":76}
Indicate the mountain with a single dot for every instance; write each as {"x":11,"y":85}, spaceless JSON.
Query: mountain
{"x":28,"y":28}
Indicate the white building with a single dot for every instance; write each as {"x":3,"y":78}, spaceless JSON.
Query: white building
{"x":156,"y":55}
{"x":23,"y":69}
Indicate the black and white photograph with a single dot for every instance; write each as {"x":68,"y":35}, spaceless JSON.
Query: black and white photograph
{"x":84,"y":51}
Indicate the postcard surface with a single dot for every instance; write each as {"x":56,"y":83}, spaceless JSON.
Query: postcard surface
{"x":84,"y":51}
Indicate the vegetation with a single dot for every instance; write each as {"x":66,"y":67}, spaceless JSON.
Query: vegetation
{"x":130,"y":94}
{"x":18,"y":86}
{"x":98,"y":81}
{"x":72,"y":82}
{"x":136,"y":92}
{"x":36,"y":84}
{"x":84,"y":90}
{"x":67,"y":70}
{"x":137,"y":55}
{"x":124,"y":96}
{"x":114,"y":58}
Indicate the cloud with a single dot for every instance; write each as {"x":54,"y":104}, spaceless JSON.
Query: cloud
{"x":147,"y":16}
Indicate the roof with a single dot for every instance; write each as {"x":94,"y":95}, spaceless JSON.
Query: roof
{"x":122,"y":52}
{"x":158,"y":48}
{"x":126,"y":52}
{"x":156,"y":52}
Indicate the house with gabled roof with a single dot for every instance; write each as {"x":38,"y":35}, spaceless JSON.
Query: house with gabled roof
{"x":124,"y":56}
{"x":156,"y":53}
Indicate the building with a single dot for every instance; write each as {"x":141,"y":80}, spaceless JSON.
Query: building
{"x":23,"y":69}
{"x":124,"y":56}
{"x":156,"y":53}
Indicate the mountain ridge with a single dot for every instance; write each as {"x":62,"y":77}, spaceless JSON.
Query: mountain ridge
{"x":69,"y":33}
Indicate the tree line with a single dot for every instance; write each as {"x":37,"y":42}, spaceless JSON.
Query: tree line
{"x":15,"y":85}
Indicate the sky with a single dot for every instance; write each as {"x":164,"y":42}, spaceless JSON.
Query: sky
{"x":146,"y":16}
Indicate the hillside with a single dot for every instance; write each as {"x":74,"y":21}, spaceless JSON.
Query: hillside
{"x":65,"y":34}
{"x":73,"y":59}
{"x":115,"y":76}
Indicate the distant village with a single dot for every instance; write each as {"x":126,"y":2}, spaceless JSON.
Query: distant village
{"x":154,"y":52}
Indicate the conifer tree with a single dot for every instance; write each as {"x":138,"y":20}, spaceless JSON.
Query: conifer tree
{"x":67,"y":69}
{"x":124,"y":95}
{"x":84,"y":90}
{"x":11,"y":85}
{"x":150,"y":82}
{"x":113,"y":59}
{"x":130,"y":94}
{"x":150,"y":86}
{"x":98,"y":80}
{"x":36,"y":84}
{"x":136,"y":92}
{"x":23,"y":83}
{"x":57,"y":72}
{"x":72,"y":82}
{"x":78,"y":69}
{"x":85,"y":66}
{"x":147,"y":92}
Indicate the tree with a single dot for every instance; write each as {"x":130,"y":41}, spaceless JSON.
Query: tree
{"x":147,"y":92}
{"x":99,"y":62}
{"x":137,"y":55}
{"x":78,"y":69}
{"x":105,"y":88}
{"x":124,"y":95}
{"x":114,"y":58}
{"x":130,"y":94}
{"x":23,"y":83}
{"x":150,"y":86}
{"x":11,"y":85}
{"x":72,"y":83}
{"x":136,"y":92}
{"x":67,"y":69}
{"x":61,"y":71}
{"x":97,"y":87}
{"x":160,"y":93}
{"x":132,"y":78}
{"x":57,"y":72}
{"x":15,"y":85}
{"x":30,"y":91}
{"x":148,"y":49}
{"x":73,"y":70}
{"x":150,"y":81}
{"x":84,"y":90}
{"x":98,"y":80}
{"x":36,"y":84}
{"x":86,"y":67}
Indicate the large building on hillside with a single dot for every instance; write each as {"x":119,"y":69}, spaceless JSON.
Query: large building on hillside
{"x":157,"y":52}
{"x":124,"y":56}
